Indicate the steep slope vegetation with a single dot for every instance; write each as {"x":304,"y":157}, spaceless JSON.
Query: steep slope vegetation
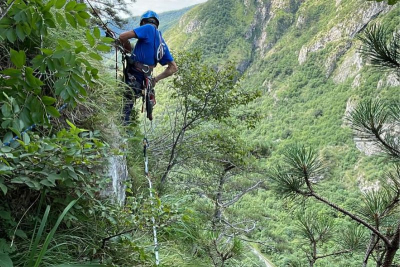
{"x":167,"y":20}
{"x":303,"y":57}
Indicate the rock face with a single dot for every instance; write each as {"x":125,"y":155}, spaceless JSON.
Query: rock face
{"x":117,"y":172}
{"x":330,"y":64}
{"x":350,"y":67}
{"x":192,"y":26}
{"x":367,"y":147}
{"x":265,"y":12}
{"x":366,"y":186}
{"x":347,"y":29}
{"x":392,"y":80}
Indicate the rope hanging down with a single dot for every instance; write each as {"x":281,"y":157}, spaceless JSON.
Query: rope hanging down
{"x":146,"y":171}
{"x":148,"y":106}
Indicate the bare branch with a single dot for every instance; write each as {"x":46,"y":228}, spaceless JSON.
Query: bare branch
{"x":237,"y":197}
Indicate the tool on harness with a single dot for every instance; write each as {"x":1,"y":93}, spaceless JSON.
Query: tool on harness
{"x":145,"y":90}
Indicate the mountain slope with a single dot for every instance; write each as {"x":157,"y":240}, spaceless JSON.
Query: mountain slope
{"x":303,"y":57}
{"x":167,"y":20}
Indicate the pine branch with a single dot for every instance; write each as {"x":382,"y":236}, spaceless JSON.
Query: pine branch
{"x":382,"y":52}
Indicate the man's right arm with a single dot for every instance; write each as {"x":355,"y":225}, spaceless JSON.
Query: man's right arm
{"x":124,"y":38}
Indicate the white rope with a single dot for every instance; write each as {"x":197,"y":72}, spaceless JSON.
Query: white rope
{"x":146,"y":171}
{"x":153,"y":219}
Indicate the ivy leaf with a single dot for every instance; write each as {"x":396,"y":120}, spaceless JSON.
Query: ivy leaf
{"x":47,"y":51}
{"x":20,"y":180}
{"x":107,"y":40}
{"x":96,"y":32}
{"x":18,"y":58}
{"x":83,"y":14}
{"x":80,"y":7}
{"x":60,"y":3}
{"x":64,"y":43}
{"x":59,"y":54}
{"x":3,"y":188}
{"x":71,"y":20}
{"x":80,"y":21}
{"x":61,"y":21}
{"x":20,"y":32}
{"x":53,"y":111}
{"x":70,"y":6}
{"x":80,"y":49}
{"x":47,"y":100}
{"x":5,"y":260}
{"x":11,"y":35}
{"x":50,"y":23}
{"x":95,"y":56}
{"x":73,"y":127}
{"x":47,"y":183}
{"x":103,"y":48}
{"x":26,"y":138}
{"x":90,"y":38}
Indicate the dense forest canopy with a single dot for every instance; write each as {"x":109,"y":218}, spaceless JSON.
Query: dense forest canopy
{"x":275,"y":144}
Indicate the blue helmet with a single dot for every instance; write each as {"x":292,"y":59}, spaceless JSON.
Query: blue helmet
{"x":148,"y":15}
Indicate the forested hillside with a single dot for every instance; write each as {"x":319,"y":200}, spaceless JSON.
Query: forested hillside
{"x":275,"y":144}
{"x":304,"y":58}
{"x":167,"y":19}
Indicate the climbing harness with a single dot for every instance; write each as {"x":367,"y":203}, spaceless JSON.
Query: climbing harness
{"x":148,"y":94}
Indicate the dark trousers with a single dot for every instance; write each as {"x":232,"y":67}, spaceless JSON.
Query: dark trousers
{"x":135,"y":80}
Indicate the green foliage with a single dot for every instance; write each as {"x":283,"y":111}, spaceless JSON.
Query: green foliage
{"x":49,"y":236}
{"x":208,"y":92}
{"x":390,"y":2}
{"x":41,"y":70}
{"x":28,"y":165}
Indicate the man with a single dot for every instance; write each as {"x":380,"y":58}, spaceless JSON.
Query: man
{"x":150,"y":49}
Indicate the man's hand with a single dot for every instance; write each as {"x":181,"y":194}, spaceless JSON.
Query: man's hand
{"x":153,"y":82}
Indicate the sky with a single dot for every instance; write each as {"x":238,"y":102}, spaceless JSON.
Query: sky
{"x":159,"y":6}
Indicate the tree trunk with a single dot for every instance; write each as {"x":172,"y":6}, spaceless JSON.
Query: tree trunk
{"x":314,"y":254}
{"x":371,"y":246}
{"x":392,"y":249}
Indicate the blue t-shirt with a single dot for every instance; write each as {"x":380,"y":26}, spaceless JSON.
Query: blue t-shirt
{"x":148,"y":44}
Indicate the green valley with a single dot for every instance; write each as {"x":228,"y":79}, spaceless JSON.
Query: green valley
{"x":275,"y":144}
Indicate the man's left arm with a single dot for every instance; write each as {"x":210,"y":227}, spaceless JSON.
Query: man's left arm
{"x":171,"y":69}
